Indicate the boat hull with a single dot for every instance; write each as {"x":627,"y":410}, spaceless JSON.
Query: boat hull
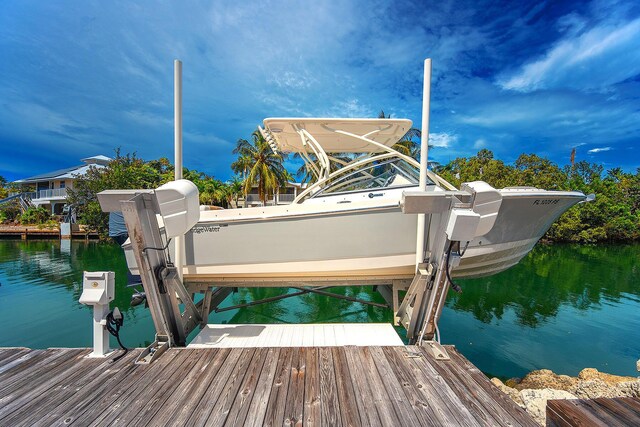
{"x":524,"y":217}
{"x":351,"y":244}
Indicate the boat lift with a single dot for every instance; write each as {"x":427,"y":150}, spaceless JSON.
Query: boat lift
{"x":447,"y":220}
{"x":154,"y":217}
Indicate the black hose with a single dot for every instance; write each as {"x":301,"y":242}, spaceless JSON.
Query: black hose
{"x":114,"y":321}
{"x":454,"y":285}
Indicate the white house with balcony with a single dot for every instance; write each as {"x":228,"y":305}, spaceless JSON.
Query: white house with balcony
{"x":283,"y":196}
{"x":51,"y":187}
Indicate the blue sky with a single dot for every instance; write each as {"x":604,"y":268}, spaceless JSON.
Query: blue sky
{"x":82,"y":78}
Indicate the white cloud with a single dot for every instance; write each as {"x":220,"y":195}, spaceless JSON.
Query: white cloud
{"x":149,"y":119}
{"x":480,"y":143}
{"x":442,"y":139}
{"x":350,"y":108}
{"x":601,"y":56}
{"x":598,"y":150}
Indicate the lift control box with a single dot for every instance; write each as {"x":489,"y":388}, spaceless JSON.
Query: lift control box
{"x":98,"y":287}
{"x":462,"y":225}
{"x":179,"y":204}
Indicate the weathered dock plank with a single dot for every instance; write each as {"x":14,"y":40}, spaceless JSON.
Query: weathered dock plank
{"x":278,"y":396}
{"x":258,"y":408}
{"x":294,"y":405}
{"x":192,"y":397}
{"x":499,"y":403}
{"x":431,"y":399}
{"x":614,"y":412}
{"x":11,"y":353}
{"x":330,"y":407}
{"x":312,"y":413}
{"x":349,"y":411}
{"x":240,"y":405}
{"x":364,"y":398}
{"x":396,"y":393}
{"x":330,"y":386}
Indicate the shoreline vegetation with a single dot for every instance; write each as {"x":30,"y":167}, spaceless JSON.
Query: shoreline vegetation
{"x":532,"y":392}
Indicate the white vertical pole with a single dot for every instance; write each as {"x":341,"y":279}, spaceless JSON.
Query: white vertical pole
{"x":100,"y":333}
{"x":177,"y":118}
{"x":424,"y":151}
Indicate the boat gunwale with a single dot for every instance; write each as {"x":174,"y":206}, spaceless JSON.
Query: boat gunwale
{"x":335,"y":209}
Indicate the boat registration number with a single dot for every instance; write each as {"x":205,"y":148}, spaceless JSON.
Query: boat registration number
{"x":545,"y":201}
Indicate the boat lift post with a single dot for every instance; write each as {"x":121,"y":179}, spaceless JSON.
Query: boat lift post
{"x":177,"y":203}
{"x":455,"y":217}
{"x":451,"y":215}
{"x":424,"y":159}
{"x":177,"y":118}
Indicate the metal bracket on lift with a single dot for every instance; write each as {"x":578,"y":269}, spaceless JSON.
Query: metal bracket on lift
{"x":435,"y":350}
{"x":154,"y":351}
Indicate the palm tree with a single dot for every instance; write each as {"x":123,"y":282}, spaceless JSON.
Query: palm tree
{"x":214,"y":192}
{"x":406,"y":145}
{"x":236,"y":189}
{"x":259,"y":165}
{"x":307,"y":172}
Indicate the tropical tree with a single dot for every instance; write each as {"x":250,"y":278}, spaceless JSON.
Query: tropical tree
{"x":214,"y":192}
{"x":613,"y":216}
{"x":260,"y":166}
{"x":125,"y":171}
{"x":307,"y":172}
{"x":406,"y":145}
{"x":3,"y":190}
{"x":236,"y":189}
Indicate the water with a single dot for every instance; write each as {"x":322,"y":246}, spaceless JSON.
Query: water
{"x":562,"y":308}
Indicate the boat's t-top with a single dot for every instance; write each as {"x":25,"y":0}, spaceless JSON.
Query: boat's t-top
{"x":353,"y":145}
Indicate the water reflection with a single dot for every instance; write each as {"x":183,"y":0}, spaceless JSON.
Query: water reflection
{"x":562,"y":308}
{"x":62,"y":263}
{"x":41,"y":284}
{"x":308,"y":308}
{"x":586,"y":299}
{"x":550,"y":277}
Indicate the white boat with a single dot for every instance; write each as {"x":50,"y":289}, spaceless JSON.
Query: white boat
{"x":349,"y":225}
{"x":372,"y":216}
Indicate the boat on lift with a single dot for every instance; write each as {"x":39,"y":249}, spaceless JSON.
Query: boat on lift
{"x":349,"y":224}
{"x":372,"y":216}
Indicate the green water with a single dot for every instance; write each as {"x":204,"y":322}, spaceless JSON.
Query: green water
{"x":562,"y":308}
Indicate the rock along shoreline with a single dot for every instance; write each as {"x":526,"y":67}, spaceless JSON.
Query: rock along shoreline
{"x":533,"y":391}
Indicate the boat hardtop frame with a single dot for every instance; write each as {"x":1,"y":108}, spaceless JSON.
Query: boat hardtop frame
{"x":370,"y":140}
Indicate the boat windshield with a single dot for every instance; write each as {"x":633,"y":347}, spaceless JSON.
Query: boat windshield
{"x":393,"y":173}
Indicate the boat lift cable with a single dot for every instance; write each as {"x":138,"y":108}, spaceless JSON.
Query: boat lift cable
{"x":454,"y":285}
{"x":163,"y":249}
{"x":115,"y":320}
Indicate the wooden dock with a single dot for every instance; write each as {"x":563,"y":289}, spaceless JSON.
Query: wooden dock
{"x":296,"y":335}
{"x":33,"y":232}
{"x":602,"y":412}
{"x":330,"y":386}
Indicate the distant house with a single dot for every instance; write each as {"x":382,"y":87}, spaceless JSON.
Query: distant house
{"x":284,"y":196}
{"x":51,"y":187}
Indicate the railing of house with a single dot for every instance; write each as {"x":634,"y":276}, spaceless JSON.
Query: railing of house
{"x":31,"y":194}
{"x":48,"y":194}
{"x":282,"y":198}
{"x":286,"y":198}
{"x":252,"y":198}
